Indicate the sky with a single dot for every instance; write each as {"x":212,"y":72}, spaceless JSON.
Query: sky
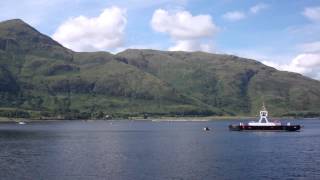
{"x":280,"y":33}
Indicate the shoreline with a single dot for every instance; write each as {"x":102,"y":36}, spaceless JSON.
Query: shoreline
{"x":155,"y":119}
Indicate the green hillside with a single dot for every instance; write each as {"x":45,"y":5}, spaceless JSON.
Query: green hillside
{"x":41,"y":78}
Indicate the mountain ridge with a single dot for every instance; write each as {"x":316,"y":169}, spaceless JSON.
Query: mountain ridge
{"x":41,"y":78}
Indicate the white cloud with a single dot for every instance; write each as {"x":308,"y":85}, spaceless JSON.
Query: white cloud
{"x":257,"y":8}
{"x":185,"y":29}
{"x":191,"y":45}
{"x":307,"y":60}
{"x":312,"y":13}
{"x":83,"y":33}
{"x":310,"y":47}
{"x":234,"y":16}
{"x":46,"y":12}
{"x":305,"y":63}
{"x":182,"y":24}
{"x":240,"y":15}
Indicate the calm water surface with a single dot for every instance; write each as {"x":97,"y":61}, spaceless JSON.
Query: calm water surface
{"x":156,"y":150}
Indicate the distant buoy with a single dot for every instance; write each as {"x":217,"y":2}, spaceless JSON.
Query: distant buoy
{"x":206,"y":129}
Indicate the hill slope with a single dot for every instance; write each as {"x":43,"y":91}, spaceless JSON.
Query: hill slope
{"x":39,"y":77}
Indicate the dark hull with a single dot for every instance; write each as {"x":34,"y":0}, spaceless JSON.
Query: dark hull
{"x":264,"y":128}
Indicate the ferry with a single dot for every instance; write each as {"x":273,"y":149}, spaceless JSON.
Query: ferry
{"x":264,"y":124}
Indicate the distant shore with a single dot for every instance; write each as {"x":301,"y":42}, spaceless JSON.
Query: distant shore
{"x":213,"y":118}
{"x":208,"y":118}
{"x":154,"y":119}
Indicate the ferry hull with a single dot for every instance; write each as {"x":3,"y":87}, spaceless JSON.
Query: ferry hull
{"x":264,"y":128}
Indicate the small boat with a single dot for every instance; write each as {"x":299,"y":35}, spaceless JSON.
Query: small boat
{"x":264,"y":124}
{"x":21,"y":122}
{"x":206,"y":128}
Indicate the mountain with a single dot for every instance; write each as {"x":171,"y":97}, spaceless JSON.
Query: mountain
{"x":41,"y":78}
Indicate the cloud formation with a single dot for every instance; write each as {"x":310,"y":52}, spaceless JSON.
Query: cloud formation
{"x":234,"y":16}
{"x":312,"y":13}
{"x":257,"y":8}
{"x":240,"y":15}
{"x":191,"y":45}
{"x":313,"y":47}
{"x":185,"y":29}
{"x":307,"y":62}
{"x":103,"y":32}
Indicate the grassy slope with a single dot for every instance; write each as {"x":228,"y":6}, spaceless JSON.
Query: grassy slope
{"x":234,"y":84}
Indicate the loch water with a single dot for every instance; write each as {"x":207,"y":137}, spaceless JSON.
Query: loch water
{"x":134,"y":150}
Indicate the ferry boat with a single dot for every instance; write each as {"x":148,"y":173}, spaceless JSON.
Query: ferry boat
{"x":264,"y":124}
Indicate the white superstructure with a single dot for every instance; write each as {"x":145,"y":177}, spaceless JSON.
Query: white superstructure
{"x":263,"y":121}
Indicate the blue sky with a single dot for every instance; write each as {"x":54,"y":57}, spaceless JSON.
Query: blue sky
{"x":282,"y":34}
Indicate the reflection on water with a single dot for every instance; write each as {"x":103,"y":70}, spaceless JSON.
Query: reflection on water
{"x":156,"y":150}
